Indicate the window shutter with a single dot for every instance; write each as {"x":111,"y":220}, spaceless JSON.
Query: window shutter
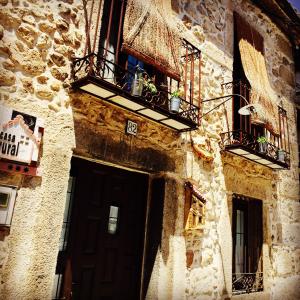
{"x":262,"y":94}
{"x":149,"y":35}
{"x":254,"y":236}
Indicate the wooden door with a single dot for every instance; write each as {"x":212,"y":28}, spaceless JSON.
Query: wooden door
{"x":107,"y":233}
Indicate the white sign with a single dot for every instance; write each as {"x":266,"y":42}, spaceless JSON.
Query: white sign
{"x":20,"y":136}
{"x":131,"y":127}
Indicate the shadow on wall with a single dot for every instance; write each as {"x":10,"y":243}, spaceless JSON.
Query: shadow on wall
{"x":154,"y":229}
{"x":119,"y":148}
{"x":162,"y":218}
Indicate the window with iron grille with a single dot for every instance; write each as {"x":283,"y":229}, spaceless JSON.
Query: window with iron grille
{"x":263,"y":135}
{"x":247,"y":236}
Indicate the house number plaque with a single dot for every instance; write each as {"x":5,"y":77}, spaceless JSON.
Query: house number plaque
{"x":131,"y":127}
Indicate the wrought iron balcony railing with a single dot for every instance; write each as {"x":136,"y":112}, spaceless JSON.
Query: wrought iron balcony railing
{"x":246,"y":145}
{"x":242,"y":138}
{"x":247,"y":283}
{"x":107,"y":80}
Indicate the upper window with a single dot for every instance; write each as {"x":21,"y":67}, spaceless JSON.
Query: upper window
{"x":128,"y":37}
{"x":250,"y":69}
{"x":134,"y":57}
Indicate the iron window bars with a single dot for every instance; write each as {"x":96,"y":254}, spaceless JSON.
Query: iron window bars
{"x":103,"y":78}
{"x":247,"y":283}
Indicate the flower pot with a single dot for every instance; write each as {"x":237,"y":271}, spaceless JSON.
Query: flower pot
{"x":137,"y":87}
{"x":281,"y":155}
{"x":174,"y":105}
{"x":262,"y":147}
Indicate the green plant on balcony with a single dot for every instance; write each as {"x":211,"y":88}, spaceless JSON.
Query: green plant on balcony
{"x":175,"y":101}
{"x":262,"y":139}
{"x":281,"y":155}
{"x":149,"y":85}
{"x":262,"y":144}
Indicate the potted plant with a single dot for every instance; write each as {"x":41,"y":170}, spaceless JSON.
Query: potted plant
{"x":149,"y":86}
{"x":175,"y":102}
{"x":262,"y":144}
{"x":281,"y":155}
{"x":137,"y":85}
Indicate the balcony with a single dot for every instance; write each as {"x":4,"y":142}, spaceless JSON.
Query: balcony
{"x":244,"y":144}
{"x":120,"y":61}
{"x":243,"y":139}
{"x":110,"y":82}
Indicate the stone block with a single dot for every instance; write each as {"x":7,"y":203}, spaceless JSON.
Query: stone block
{"x":290,"y":234}
{"x":47,"y":27}
{"x":283,"y":262}
{"x":66,"y":51}
{"x":9,"y":65}
{"x":43,"y":41}
{"x":1,"y":32}
{"x":28,"y":34}
{"x":287,"y":288}
{"x":62,"y":25}
{"x":3,"y":252}
{"x":59,"y":73}
{"x":58,"y":38}
{"x":27,"y":84}
{"x":290,"y":211}
{"x":289,"y":188}
{"x":44,"y":93}
{"x":70,"y":39}
{"x":284,"y":46}
{"x":55,"y":87}
{"x":42,"y":79}
{"x":29,"y":19}
{"x":7,"y":77}
{"x":30,"y":61}
{"x":58,"y":59}
{"x":286,"y":74}
{"x":9,"y":20}
{"x":297,"y":261}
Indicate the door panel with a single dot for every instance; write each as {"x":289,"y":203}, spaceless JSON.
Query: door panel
{"x":106,"y":241}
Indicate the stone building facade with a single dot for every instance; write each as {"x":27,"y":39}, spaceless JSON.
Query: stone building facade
{"x":38,"y":41}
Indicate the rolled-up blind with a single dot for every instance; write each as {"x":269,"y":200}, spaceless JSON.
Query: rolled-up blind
{"x":262,"y":94}
{"x":150,"y":36}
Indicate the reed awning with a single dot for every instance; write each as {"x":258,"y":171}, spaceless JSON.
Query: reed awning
{"x":253,"y":61}
{"x":150,"y":36}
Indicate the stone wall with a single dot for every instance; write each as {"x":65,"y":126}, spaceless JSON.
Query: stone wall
{"x":210,"y":27}
{"x":38,"y":38}
{"x":37,"y":41}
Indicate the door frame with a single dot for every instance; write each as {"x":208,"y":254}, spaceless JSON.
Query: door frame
{"x":67,"y":267}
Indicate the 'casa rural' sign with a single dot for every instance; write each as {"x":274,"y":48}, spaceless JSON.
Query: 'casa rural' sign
{"x":20,"y":136}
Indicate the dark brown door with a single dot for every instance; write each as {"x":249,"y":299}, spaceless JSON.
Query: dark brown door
{"x":106,"y":240}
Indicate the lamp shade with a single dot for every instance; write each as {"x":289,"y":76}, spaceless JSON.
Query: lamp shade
{"x":247,"y":110}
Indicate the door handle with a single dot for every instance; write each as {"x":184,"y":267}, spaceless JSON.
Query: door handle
{"x":113,"y":219}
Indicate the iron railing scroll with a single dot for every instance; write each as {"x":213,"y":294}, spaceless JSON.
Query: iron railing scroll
{"x":244,"y":134}
{"x":248,"y":141}
{"x":113,"y":75}
{"x":243,"y":283}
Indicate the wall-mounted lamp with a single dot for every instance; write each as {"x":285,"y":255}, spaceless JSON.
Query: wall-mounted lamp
{"x":245,"y":110}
